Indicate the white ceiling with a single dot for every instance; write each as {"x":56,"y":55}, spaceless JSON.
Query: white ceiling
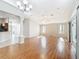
{"x":50,"y":11}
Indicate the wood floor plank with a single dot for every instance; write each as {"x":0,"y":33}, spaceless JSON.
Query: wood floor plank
{"x":32,"y":49}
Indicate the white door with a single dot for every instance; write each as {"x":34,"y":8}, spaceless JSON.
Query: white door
{"x":15,"y":32}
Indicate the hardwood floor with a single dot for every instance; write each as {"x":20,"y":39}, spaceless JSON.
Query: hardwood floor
{"x":42,"y":48}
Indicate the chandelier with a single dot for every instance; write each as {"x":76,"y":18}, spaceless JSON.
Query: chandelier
{"x":24,"y":5}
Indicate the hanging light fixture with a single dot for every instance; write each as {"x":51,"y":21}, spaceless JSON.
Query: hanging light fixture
{"x":24,"y":5}
{"x":25,"y":2}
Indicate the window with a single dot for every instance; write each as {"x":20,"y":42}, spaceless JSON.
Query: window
{"x":44,"y":29}
{"x":61,"y":28}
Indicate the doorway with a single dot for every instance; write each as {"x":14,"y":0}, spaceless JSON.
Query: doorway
{"x":14,"y":31}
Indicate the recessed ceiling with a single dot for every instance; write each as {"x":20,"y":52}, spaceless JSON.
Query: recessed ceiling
{"x":60,"y":10}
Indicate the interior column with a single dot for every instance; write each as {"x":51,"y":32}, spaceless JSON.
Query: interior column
{"x":21,"y":30}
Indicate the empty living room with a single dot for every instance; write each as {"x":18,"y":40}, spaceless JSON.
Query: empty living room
{"x":39,"y":29}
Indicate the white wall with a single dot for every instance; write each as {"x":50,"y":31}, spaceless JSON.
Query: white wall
{"x":53,"y":29}
{"x":26,"y":28}
{"x":31,"y":28}
{"x":34,"y":29}
{"x":3,"y":33}
{"x":6,"y":36}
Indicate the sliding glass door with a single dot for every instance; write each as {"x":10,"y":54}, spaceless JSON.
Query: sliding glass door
{"x":73,"y":31}
{"x":77,"y":33}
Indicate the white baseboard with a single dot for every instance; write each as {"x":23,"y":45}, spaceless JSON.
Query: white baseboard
{"x":5,"y":43}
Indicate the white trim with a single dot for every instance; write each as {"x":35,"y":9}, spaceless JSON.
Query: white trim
{"x":54,"y":22}
{"x":5,"y":43}
{"x":4,"y":6}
